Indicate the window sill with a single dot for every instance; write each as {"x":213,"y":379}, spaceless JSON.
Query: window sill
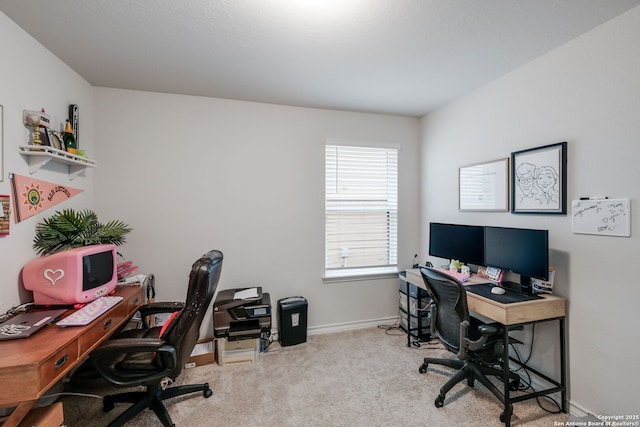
{"x":362,"y":274}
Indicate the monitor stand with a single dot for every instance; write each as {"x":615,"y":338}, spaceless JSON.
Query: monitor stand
{"x":524,"y":287}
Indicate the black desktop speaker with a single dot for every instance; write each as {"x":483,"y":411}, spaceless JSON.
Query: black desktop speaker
{"x":292,"y":321}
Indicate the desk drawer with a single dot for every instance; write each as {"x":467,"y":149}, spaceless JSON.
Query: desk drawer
{"x":55,"y":366}
{"x":134,"y":301}
{"x":104,"y":325}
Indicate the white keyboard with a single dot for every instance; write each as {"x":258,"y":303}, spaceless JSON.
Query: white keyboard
{"x":90,"y":312}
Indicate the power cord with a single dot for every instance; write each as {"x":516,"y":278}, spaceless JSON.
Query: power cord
{"x":528,"y":383}
{"x":15,"y":310}
{"x":394,"y":328}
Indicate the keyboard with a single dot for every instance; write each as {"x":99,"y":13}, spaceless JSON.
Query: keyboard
{"x":90,"y":312}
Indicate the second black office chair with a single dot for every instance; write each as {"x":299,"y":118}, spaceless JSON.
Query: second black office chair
{"x":477,"y":345}
{"x":147,"y":356}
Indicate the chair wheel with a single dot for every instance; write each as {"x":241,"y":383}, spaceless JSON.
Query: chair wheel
{"x":504,"y":418}
{"x":471,"y":382}
{"x":423,"y":368}
{"x":439,"y":401}
{"x":107,"y":404}
{"x":207,"y":392}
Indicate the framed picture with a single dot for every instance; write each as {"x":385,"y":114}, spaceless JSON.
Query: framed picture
{"x":485,"y":186}
{"x":539,"y":180}
{"x":5,"y":212}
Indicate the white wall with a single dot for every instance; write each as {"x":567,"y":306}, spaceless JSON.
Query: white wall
{"x":32,"y":78}
{"x":191,"y":174}
{"x":587,"y":93}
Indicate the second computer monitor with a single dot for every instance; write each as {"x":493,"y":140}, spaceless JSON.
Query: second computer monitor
{"x":521,"y":250}
{"x":464,"y":243}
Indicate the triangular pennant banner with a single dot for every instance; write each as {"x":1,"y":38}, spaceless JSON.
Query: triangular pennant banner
{"x":32,"y":196}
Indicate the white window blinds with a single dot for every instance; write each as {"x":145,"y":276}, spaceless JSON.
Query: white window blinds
{"x":361,"y":210}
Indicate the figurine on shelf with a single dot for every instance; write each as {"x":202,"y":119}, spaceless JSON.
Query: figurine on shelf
{"x":37,"y":120}
{"x":69,"y":139}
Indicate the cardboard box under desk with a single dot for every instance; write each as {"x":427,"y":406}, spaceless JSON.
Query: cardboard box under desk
{"x":46,"y":416}
{"x":203,"y":354}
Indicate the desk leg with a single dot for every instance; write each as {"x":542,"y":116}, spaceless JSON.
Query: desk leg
{"x":19,"y":413}
{"x":563,"y":367}
{"x":409,"y":314}
{"x":508,"y":406}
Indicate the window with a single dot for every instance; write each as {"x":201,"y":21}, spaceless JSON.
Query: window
{"x":361,"y":211}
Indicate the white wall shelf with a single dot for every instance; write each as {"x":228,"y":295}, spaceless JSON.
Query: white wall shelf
{"x":40,"y":155}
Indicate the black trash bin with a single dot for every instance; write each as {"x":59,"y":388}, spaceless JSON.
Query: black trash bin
{"x":292,"y":320}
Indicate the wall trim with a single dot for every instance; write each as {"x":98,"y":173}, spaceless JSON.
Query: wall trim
{"x":351,"y":326}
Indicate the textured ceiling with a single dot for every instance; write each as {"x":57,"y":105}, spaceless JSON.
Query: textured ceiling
{"x":402,"y":57}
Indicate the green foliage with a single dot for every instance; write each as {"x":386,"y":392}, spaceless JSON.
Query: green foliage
{"x":69,"y":229}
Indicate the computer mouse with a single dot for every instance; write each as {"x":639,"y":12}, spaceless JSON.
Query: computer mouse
{"x":497,"y":290}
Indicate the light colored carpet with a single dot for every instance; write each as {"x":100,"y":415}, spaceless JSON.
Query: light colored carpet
{"x":367,"y":377}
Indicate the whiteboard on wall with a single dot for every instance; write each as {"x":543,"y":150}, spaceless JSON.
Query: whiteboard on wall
{"x":606,"y":217}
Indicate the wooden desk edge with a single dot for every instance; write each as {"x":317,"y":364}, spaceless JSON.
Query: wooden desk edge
{"x":22,"y":408}
{"x":549,"y":307}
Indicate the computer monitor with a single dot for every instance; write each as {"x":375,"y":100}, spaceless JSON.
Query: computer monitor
{"x":464,"y":243}
{"x":520,"y":250}
{"x":77,"y":275}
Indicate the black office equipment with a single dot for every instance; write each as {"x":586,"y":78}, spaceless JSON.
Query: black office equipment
{"x":241,"y":318}
{"x":464,"y":243}
{"x":292,"y":320}
{"x":478,"y":346}
{"x":521,"y":250}
{"x":145,"y":357}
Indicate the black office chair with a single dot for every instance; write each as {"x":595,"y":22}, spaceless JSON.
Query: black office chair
{"x":146,"y":356}
{"x":479,"y":346}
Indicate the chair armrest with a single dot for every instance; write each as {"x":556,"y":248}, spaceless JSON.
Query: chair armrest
{"x":433,"y":309}
{"x":486,"y":330}
{"x":489,"y":329}
{"x":158,"y":307}
{"x":123,"y":346}
{"x":127,"y":345}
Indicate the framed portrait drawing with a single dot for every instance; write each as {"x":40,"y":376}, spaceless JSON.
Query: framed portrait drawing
{"x":485,"y":186}
{"x":539,"y":180}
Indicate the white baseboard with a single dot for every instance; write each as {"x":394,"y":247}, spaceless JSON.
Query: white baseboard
{"x":351,"y":326}
{"x":578,"y":411}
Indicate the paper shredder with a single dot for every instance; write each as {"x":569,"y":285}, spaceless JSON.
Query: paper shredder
{"x":292,"y":320}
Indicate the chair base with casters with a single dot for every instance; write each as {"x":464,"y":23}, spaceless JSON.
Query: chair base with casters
{"x":471,"y":371}
{"x":479,"y":346}
{"x":152,"y":399}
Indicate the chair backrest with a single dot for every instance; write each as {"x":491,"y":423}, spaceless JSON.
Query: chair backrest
{"x":184,"y":331}
{"x":450,"y":298}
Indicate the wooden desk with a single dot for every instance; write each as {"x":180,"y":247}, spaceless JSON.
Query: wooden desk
{"x":29,"y":367}
{"x":516,"y":313}
{"x":549,"y":308}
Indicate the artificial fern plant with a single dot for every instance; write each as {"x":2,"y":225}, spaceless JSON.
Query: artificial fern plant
{"x":69,"y":229}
